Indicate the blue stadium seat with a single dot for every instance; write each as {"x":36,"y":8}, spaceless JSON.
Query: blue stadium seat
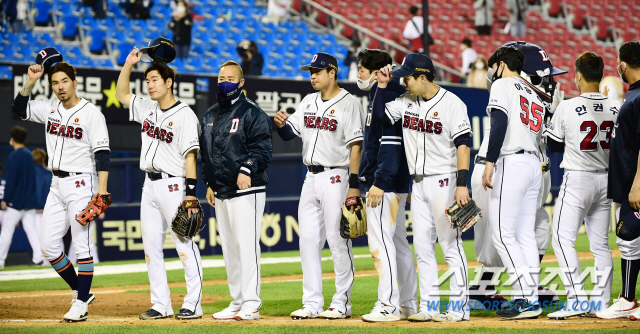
{"x":86,"y":62}
{"x":97,"y":44}
{"x":6,"y":52}
{"x":123,"y":51}
{"x":104,"y":63}
{"x":70,"y":30}
{"x":43,"y":12}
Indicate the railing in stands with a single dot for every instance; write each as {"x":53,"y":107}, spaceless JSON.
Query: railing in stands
{"x":336,"y":21}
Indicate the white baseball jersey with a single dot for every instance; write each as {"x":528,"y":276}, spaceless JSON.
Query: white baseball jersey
{"x":585,"y":125}
{"x":525,"y":112}
{"x":167,"y":135}
{"x":2,"y":184}
{"x":429,"y":128}
{"x":72,"y":135}
{"x":327,"y":128}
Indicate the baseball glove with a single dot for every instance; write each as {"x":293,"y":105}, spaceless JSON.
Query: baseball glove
{"x":464,"y":218}
{"x":187,"y":226}
{"x":96,"y":206}
{"x":353,"y":224}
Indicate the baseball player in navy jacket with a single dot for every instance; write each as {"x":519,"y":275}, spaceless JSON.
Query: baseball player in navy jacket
{"x":385,"y":176}
{"x":236,"y":150}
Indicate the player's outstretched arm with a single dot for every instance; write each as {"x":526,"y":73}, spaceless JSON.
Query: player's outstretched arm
{"x":461,"y":195}
{"x":123,"y":92}
{"x":354,"y":165}
{"x":379,"y":102}
{"x":191,"y":172}
{"x":19,"y":106}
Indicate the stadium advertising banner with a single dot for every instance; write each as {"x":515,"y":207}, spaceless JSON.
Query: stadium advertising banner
{"x":120,"y":236}
{"x":99,"y":88}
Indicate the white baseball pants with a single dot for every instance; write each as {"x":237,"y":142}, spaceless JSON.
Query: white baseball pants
{"x":483,"y":245}
{"x":391,"y":253}
{"x":583,"y":197}
{"x":158,"y":207}
{"x":512,"y":217}
{"x":67,"y":197}
{"x":319,"y":213}
{"x":543,"y":223}
{"x":240,"y":224}
{"x":430,"y":198}
{"x":11,"y":219}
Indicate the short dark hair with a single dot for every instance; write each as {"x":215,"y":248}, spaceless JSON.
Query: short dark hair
{"x":413,"y":10}
{"x":466,"y":42}
{"x":430,"y":76}
{"x":590,"y":66}
{"x":67,"y":68}
{"x":511,"y":56}
{"x":630,"y":53}
{"x":18,"y":134}
{"x":165,"y":71}
{"x":374,"y":59}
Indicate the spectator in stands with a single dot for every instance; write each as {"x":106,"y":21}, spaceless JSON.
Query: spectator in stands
{"x":181,"y":26}
{"x":477,"y":78}
{"x":484,"y":16}
{"x":351,"y":60}
{"x":252,"y":60}
{"x":517,"y":10}
{"x":141,"y":9}
{"x":99,"y":7}
{"x":414,"y":29}
{"x":469,"y":57}
{"x":15,"y":12}
{"x":277,"y":10}
{"x":43,"y":184}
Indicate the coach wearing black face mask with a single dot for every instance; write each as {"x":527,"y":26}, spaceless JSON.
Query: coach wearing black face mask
{"x":235,"y":143}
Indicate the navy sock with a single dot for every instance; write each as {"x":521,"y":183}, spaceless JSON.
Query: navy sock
{"x":65,"y":269}
{"x":85,"y":276}
{"x":630,"y":269}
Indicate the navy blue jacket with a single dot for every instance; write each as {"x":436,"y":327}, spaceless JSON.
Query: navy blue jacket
{"x":43,"y":184}
{"x":383,"y":162}
{"x":21,"y":180}
{"x":240,"y":143}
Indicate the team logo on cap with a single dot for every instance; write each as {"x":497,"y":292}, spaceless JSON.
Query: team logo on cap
{"x":314,"y":58}
{"x":637,"y":215}
{"x":543,"y":73}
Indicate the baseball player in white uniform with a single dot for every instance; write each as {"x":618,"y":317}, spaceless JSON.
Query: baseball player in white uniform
{"x":437,"y":137}
{"x":329,"y":123}
{"x":581,"y":128}
{"x":516,"y":113}
{"x":78,"y":146}
{"x":169,"y":131}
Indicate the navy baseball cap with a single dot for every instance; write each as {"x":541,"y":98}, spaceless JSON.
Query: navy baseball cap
{"x":415,"y":63}
{"x":321,"y":60}
{"x":536,"y":60}
{"x":628,"y":226}
{"x":47,"y":57}
{"x":161,"y":49}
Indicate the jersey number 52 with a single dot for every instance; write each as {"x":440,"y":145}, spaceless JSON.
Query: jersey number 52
{"x":535,"y":123}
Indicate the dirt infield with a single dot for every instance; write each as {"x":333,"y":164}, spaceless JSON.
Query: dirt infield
{"x":120,"y":306}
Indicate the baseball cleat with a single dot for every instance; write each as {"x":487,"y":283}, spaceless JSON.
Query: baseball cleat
{"x":480,"y":299}
{"x":380,"y":313}
{"x":74,"y":294}
{"x":446,"y":317}
{"x":304,"y":313}
{"x":332,"y":314}
{"x":227,"y":314}
{"x":421,"y":316}
{"x":519,"y":309}
{"x":406,"y":312}
{"x":186,"y":314}
{"x":152,"y":314}
{"x":562,"y":314}
{"x":620,"y":308}
{"x":247,"y":314}
{"x":635,"y":315}
{"x":547,"y":295}
{"x":78,"y":311}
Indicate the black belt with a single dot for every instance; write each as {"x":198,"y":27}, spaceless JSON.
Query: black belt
{"x":480,"y":160}
{"x":318,"y":169}
{"x":530,"y":152}
{"x":63,"y":174}
{"x":157,"y":176}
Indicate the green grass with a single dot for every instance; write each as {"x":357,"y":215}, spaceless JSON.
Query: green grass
{"x":270,"y":270}
{"x":283,"y":329}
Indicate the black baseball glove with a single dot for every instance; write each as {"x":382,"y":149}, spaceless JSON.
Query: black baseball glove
{"x":187,"y":226}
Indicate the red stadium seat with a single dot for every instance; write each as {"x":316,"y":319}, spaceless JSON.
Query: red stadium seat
{"x":555,"y":8}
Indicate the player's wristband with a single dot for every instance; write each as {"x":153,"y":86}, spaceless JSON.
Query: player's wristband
{"x":461,"y":179}
{"x":353,"y":181}
{"x":191,"y":187}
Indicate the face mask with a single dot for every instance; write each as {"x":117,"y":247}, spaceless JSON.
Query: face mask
{"x":622,"y":74}
{"x":479,"y":66}
{"x":227,"y":88}
{"x":366,"y":85}
{"x":496,"y":76}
